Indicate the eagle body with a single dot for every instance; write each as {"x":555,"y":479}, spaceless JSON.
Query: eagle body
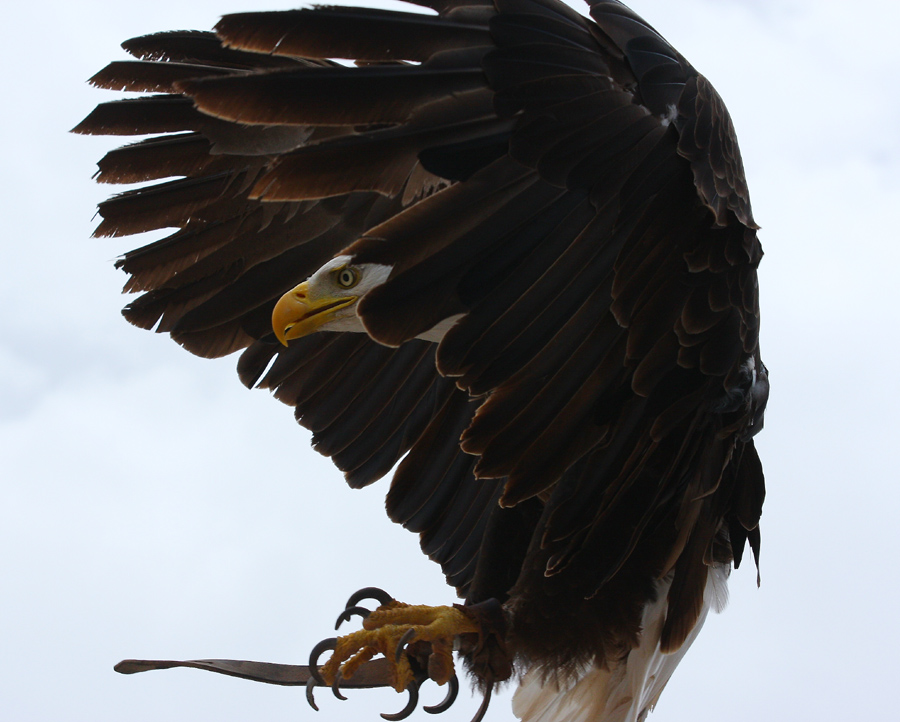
{"x":510,"y":251}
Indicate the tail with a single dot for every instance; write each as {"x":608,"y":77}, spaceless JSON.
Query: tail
{"x":628,"y":691}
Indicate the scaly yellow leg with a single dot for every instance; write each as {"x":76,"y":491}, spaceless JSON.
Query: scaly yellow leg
{"x":391,"y":626}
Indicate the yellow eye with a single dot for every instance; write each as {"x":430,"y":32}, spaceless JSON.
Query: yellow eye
{"x":347,"y":277}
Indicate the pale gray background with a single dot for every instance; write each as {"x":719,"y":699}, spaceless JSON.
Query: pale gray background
{"x":153,"y":507}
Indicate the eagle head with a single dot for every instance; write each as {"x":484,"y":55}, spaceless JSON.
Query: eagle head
{"x":326,"y":301}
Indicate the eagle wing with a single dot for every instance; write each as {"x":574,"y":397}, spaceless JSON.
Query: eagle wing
{"x":569,"y":192}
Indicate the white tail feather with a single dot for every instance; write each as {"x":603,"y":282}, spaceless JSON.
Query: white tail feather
{"x":628,"y":691}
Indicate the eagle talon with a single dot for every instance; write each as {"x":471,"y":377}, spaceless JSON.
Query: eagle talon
{"x":449,"y":699}
{"x":310,"y":699}
{"x":407,"y":637}
{"x":485,"y":703}
{"x":323,"y":646}
{"x":413,"y":689}
{"x":353,"y":608}
{"x":348,"y":613}
{"x":379,"y":595}
{"x":336,"y":688}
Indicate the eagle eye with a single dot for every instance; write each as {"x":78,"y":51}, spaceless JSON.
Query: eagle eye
{"x":347,"y":277}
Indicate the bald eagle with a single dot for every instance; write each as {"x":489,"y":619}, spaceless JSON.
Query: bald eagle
{"x":507,"y":252}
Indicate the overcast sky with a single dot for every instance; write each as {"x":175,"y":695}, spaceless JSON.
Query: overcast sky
{"x":152,"y":507}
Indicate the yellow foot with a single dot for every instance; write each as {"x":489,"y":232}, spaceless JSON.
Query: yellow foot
{"x":402,"y":631}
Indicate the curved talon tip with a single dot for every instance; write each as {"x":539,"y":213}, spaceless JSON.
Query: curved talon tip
{"x":349,"y":612}
{"x":379,"y":595}
{"x":407,"y":637}
{"x":482,"y":710}
{"x":323,"y":646}
{"x":310,"y":684}
{"x":336,"y":688}
{"x":448,"y":701}
{"x":413,"y":690}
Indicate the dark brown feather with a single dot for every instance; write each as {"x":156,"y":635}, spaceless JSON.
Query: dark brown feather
{"x":199,"y":48}
{"x":357,"y":33}
{"x":331,"y":96}
{"x":186,"y":154}
{"x":140,"y":116}
{"x":150,"y":77}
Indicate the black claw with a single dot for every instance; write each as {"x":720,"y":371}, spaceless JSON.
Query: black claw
{"x":379,"y":595}
{"x":482,"y":711}
{"x":407,"y":637}
{"x":448,"y":700}
{"x":349,"y":612}
{"x":310,"y":684}
{"x":314,"y":655}
{"x":336,"y":687}
{"x":413,"y":690}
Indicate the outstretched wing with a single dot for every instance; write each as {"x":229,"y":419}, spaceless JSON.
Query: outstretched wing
{"x":213,"y":282}
{"x":571,"y":190}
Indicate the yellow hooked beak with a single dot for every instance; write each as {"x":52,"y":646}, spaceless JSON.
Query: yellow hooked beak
{"x":296,"y":315}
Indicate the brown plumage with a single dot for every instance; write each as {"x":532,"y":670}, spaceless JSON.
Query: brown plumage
{"x":580,"y":440}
